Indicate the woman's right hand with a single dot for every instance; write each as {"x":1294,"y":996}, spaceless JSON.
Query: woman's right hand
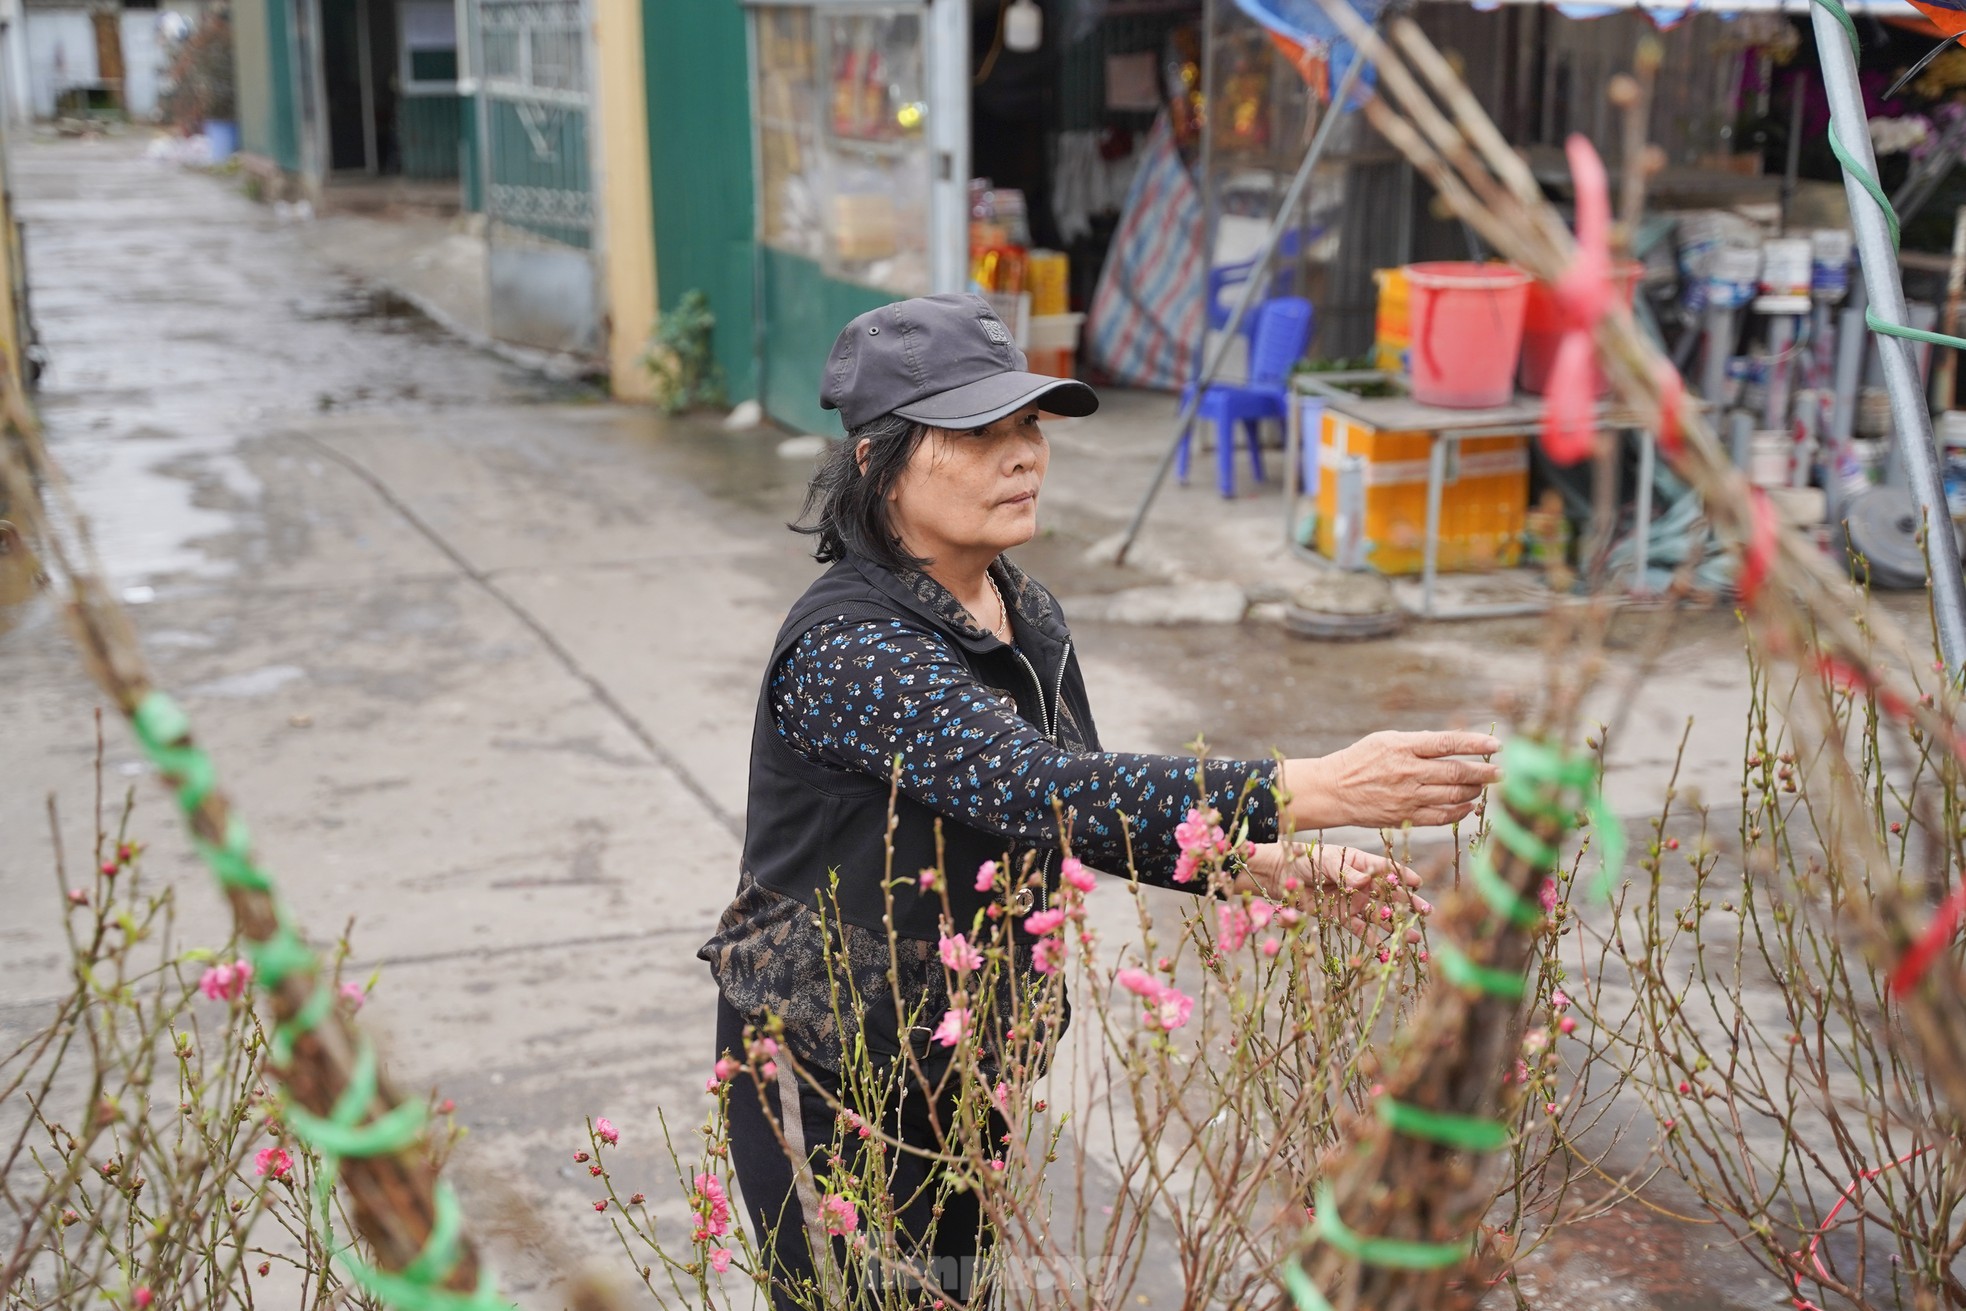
{"x":1389,"y":779}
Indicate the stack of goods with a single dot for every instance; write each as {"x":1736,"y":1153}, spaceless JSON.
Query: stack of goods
{"x":1030,"y":288}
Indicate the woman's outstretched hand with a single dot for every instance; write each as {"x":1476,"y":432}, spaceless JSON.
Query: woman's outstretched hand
{"x":1372,"y":883}
{"x":1385,"y":780}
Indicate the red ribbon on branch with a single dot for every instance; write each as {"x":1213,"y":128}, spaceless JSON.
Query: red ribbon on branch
{"x":1758,"y":552}
{"x":1811,"y":1253}
{"x":1672,"y":391}
{"x":1583,"y":297}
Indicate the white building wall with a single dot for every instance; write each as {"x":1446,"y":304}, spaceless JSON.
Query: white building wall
{"x":16,"y":99}
{"x":61,"y":51}
{"x":145,"y":62}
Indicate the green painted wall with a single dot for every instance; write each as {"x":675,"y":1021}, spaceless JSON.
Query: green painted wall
{"x":252,"y":77}
{"x":285,"y":118}
{"x":430,"y":135}
{"x":262,"y":60}
{"x":804,"y":312}
{"x":470,"y":183}
{"x":700,"y":169}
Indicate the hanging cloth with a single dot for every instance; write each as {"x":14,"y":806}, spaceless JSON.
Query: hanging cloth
{"x":1145,"y":325}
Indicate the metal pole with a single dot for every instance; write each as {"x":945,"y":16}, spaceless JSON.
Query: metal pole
{"x":1911,"y":420}
{"x":1258,"y":274}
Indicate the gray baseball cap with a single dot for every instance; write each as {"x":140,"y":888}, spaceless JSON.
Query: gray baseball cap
{"x":947,"y":361}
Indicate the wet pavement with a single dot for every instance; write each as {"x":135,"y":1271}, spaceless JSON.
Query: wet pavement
{"x":477,"y":654}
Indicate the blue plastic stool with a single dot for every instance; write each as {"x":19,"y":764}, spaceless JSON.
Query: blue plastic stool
{"x":1283,"y":330}
{"x":1225,"y":277}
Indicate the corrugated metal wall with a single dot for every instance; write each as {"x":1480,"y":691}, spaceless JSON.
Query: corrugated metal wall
{"x":700,"y":167}
{"x":1541,"y":76}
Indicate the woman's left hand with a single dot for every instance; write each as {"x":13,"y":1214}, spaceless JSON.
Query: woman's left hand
{"x":1373,"y":883}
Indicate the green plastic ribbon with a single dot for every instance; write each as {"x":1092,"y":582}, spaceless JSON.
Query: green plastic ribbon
{"x":1302,"y":1291}
{"x":1467,"y":1132}
{"x":1504,"y":825}
{"x":305,"y":1020}
{"x":164,"y":731}
{"x":1504,"y":900}
{"x":1536,"y":780}
{"x":1392,"y":1253}
{"x":1465,"y":973}
{"x":1863,"y":178}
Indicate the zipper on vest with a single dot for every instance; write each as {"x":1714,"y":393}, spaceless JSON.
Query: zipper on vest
{"x":1037,"y":685}
{"x":1048,"y":720}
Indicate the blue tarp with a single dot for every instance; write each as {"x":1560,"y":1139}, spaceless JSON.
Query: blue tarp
{"x":1306,"y":23}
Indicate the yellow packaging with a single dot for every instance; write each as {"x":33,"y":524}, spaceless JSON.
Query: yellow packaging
{"x":1048,"y":277}
{"x":1391,"y":329}
{"x":1482,"y":504}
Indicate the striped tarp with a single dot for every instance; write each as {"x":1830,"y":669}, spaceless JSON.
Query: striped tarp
{"x":1145,"y":324}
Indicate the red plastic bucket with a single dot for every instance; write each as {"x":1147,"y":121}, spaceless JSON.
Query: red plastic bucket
{"x":1542,"y":328}
{"x":1467,"y":332}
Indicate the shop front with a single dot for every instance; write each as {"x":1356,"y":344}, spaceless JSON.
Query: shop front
{"x":860,"y":145}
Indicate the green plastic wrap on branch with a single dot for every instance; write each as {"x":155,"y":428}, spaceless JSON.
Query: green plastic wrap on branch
{"x":1470,"y":1133}
{"x":1458,"y":970}
{"x":1394,"y":1253}
{"x":164,"y":731}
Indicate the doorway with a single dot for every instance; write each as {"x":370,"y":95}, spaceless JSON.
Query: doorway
{"x":358,"y":61}
{"x":393,"y":128}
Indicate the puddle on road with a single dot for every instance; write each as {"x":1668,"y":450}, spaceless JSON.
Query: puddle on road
{"x":375,"y":307}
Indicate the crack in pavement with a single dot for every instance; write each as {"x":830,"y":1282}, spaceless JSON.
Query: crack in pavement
{"x":599,"y":690}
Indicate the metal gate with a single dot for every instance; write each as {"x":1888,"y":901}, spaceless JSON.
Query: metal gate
{"x":539,"y":198}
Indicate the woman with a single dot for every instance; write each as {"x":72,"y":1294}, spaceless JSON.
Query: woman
{"x":925,"y":671}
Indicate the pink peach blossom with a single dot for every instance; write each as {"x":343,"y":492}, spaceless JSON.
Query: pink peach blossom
{"x":354,"y":994}
{"x":720,"y":1259}
{"x":1233,"y":922}
{"x":986,"y":876}
{"x":606,"y":1132}
{"x":1173,"y":1008}
{"x":1167,"y":1006}
{"x":1044,"y":921}
{"x":958,"y":954}
{"x":273,"y":1161}
{"x":955,"y":1022}
{"x":839,"y":1216}
{"x":1201,"y":835}
{"x":1078,"y":875}
{"x":1048,"y":957}
{"x":712,"y":1205}
{"x":226,"y":982}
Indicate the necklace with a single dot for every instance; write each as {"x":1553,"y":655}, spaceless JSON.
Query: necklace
{"x":1003,"y":611}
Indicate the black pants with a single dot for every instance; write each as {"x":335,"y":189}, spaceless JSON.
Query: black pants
{"x":938,"y":1249}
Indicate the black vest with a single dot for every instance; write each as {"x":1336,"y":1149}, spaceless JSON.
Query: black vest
{"x":805,"y":822}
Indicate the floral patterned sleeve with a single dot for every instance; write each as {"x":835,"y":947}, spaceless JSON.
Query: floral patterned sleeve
{"x":854,"y":695}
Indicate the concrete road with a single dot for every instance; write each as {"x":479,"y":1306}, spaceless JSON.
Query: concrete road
{"x":477,"y":655}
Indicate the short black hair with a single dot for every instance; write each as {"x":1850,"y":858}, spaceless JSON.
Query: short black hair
{"x":846,"y":505}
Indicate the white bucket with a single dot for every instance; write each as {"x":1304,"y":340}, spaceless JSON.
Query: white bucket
{"x":1785,"y":267}
{"x":1769,"y":453}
